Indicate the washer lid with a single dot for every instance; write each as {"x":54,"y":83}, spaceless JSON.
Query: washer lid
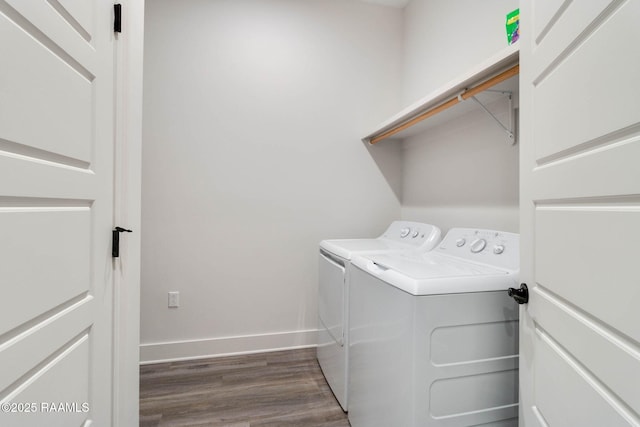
{"x":432,"y":265}
{"x":432,"y":273}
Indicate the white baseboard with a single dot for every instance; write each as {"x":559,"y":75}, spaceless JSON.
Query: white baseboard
{"x":227,"y":346}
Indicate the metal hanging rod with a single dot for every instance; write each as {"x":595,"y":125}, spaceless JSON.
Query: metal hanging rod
{"x":471,"y":92}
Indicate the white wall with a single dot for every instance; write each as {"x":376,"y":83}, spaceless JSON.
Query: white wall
{"x":253,"y":111}
{"x":464,"y":172}
{"x":443,"y":38}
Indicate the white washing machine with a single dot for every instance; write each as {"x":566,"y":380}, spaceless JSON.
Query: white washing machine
{"x":434,"y":336}
{"x":333,"y":295}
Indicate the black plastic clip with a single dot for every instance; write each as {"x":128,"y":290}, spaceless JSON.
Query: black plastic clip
{"x":115,"y":246}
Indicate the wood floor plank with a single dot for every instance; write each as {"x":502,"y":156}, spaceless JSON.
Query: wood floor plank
{"x":284,"y":388}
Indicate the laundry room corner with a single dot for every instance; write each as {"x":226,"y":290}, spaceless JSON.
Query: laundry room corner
{"x":252,"y":119}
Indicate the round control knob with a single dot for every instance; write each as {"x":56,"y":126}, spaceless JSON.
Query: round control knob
{"x":498,"y":249}
{"x":460,"y":242}
{"x":405,"y":232}
{"x":478,"y":245}
{"x":415,"y":234}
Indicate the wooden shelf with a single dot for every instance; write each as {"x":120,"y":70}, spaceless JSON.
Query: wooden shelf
{"x":497,"y":72}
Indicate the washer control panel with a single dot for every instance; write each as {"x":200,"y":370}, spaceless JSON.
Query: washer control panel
{"x":413,"y":233}
{"x":493,"y":247}
{"x":478,"y":245}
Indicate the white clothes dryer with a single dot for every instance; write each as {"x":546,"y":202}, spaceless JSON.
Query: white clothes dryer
{"x":434,"y":336}
{"x":333,"y":294}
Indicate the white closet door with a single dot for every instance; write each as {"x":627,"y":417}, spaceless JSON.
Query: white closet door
{"x":56,"y":211}
{"x":580,"y":213}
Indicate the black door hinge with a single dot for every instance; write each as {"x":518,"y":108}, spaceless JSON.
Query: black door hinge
{"x":117,"y":21}
{"x":115,"y":243}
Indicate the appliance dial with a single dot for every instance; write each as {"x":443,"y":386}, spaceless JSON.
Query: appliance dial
{"x":415,"y":234}
{"x":405,"y":232}
{"x":460,"y":242}
{"x":498,"y":249}
{"x":478,"y":245}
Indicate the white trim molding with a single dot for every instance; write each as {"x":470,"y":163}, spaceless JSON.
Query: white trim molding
{"x":226,"y":346}
{"x":127,"y":213}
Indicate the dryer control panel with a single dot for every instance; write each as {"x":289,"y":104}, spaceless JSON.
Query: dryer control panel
{"x":416,"y":234}
{"x":496,"y":248}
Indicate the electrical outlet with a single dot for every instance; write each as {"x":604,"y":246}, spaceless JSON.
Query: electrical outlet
{"x":174,"y":299}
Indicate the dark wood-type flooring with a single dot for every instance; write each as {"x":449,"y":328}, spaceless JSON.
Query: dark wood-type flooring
{"x":284,"y":388}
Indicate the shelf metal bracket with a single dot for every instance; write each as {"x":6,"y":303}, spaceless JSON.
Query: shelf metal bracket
{"x":510,"y":131}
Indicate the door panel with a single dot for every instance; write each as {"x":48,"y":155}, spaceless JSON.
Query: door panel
{"x":80,"y":10}
{"x":614,"y":362}
{"x":565,"y":26}
{"x":56,"y":209}
{"x":580,"y":214}
{"x":45,"y":338}
{"x":63,"y":377}
{"x":53,"y":239}
{"x":545,"y":14}
{"x":585,"y":400}
{"x":40,"y":81}
{"x":50,"y":19}
{"x":583,"y":237}
{"x":581,"y":175}
{"x":61,"y":188}
{"x":579,"y":94}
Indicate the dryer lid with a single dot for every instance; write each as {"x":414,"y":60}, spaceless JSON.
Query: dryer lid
{"x":347,"y":248}
{"x":400,"y":235}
